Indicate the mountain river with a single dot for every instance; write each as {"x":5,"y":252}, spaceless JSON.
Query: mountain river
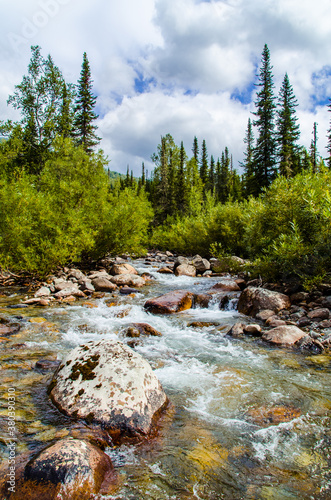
{"x":223,"y":436}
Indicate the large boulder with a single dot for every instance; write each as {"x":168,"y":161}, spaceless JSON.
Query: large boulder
{"x":185,"y":270}
{"x":128,"y":280}
{"x":286,"y":335}
{"x":171,"y":302}
{"x":253,"y":300}
{"x":68,"y":461}
{"x":123,"y":269}
{"x":107,"y":383}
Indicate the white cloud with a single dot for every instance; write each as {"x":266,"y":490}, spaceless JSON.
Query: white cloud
{"x":212,"y":48}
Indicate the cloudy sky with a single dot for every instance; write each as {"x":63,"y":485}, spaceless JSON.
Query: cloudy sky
{"x":184,"y":67}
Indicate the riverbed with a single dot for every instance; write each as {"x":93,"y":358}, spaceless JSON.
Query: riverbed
{"x":246,"y":421}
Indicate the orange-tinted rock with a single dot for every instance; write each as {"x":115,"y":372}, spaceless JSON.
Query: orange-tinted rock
{"x":274,"y":415}
{"x":172,"y":302}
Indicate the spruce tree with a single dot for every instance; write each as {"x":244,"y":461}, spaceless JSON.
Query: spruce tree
{"x":287,"y":131}
{"x":248,"y":164}
{"x":313,"y":148}
{"x":195,"y":150}
{"x":224,"y":177}
{"x":211,"y":175}
{"x":181,"y":184}
{"x":84,"y":129}
{"x":328,"y":147}
{"x":204,"y":163}
{"x":265,"y":150}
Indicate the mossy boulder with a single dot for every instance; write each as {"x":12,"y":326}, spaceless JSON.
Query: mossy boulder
{"x":107,"y":383}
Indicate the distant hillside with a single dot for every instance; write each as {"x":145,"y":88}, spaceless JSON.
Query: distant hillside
{"x":114,"y":176}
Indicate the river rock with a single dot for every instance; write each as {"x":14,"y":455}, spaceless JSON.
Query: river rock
{"x":171,"y":302}
{"x":265,"y":314}
{"x":200,"y":264}
{"x":107,"y":383}
{"x":185,"y":270}
{"x":65,"y":285}
{"x":286,"y":335}
{"x":67,"y":461}
{"x":319,"y":314}
{"x":253,"y":329}
{"x":165,"y":270}
{"x":202,"y":300}
{"x":77,"y":274}
{"x":103,"y":285}
{"x":226,"y":285}
{"x":86,"y":285}
{"x":252,"y":300}
{"x":44,"y":291}
{"x":128,"y":280}
{"x":298,"y":297}
{"x":126,"y":268}
{"x":275,"y":321}
{"x":181,"y":260}
{"x":146,"y":329}
{"x":9,"y":329}
{"x":237,"y":330}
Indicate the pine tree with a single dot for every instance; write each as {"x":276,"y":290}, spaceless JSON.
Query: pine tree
{"x":287,"y":131}
{"x":84,"y":129}
{"x":248,"y":164}
{"x":264,"y":152}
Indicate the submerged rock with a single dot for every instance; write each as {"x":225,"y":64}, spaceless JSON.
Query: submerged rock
{"x":67,"y":461}
{"x":254,"y":300}
{"x":172,"y":302}
{"x":107,"y":383}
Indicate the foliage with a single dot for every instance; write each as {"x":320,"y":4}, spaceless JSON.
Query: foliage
{"x":68,"y":213}
{"x":44,"y":101}
{"x":286,"y":231}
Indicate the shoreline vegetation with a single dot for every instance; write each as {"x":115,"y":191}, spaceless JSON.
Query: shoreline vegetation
{"x":59,"y":205}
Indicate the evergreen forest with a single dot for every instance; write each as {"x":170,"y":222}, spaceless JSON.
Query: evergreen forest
{"x":61,"y":204}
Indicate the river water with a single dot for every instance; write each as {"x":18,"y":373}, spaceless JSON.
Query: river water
{"x":224,"y":437}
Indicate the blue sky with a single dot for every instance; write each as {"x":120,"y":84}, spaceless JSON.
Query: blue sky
{"x":184,"y":67}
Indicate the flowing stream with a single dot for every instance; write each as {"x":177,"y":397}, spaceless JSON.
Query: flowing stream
{"x":221,"y":438}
